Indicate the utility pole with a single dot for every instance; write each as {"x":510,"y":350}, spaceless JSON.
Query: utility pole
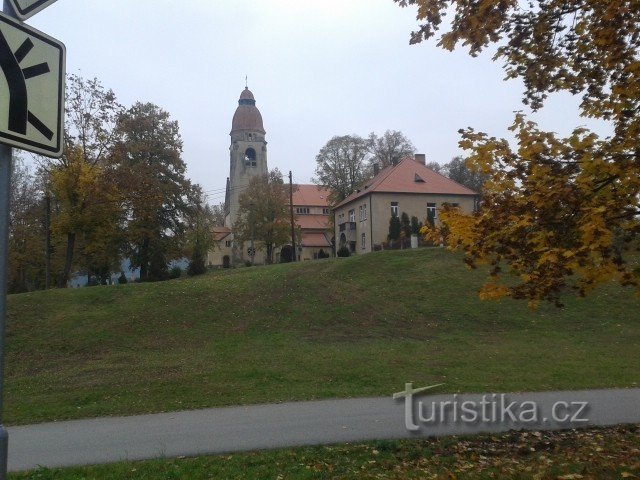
{"x":252,"y":250}
{"x":294,"y":255}
{"x":47,"y":253}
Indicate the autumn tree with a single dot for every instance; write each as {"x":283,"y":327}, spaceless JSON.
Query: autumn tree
{"x":26,"y":231}
{"x":390,"y":147}
{"x":264,"y":214}
{"x":88,"y":213}
{"x":90,"y":116}
{"x":147,"y":161}
{"x":561,"y":212}
{"x":342,"y":165}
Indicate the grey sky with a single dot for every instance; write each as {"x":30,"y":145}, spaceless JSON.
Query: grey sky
{"x":317,"y":68}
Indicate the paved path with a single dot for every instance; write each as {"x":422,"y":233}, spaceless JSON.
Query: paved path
{"x":232,"y":429}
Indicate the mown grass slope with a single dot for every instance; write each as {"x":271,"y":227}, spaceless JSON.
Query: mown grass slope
{"x":336,"y":328}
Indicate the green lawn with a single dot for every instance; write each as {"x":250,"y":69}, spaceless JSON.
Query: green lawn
{"x":361,"y":326}
{"x":597,"y":453}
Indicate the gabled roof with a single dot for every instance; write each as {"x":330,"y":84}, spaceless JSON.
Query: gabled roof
{"x":409,"y":176}
{"x":312,"y":222}
{"x":312,"y":239}
{"x":310,"y":196}
{"x":219,"y":233}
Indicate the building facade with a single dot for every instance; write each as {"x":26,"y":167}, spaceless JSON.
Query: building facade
{"x":362,"y":219}
{"x":248,"y":159}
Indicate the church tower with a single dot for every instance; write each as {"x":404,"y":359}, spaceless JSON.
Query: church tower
{"x":248,"y":152}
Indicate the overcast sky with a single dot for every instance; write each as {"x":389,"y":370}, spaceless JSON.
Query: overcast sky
{"x":317,"y":68}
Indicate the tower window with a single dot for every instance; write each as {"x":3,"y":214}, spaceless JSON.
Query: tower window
{"x":250,"y":157}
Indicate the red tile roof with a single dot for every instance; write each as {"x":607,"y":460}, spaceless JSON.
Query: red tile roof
{"x":219,"y":233}
{"x":315,"y":240}
{"x":409,"y":176}
{"x":310,"y":196}
{"x":317,"y":222}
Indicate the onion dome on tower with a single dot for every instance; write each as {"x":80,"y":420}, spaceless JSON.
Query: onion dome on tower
{"x":247,"y":116}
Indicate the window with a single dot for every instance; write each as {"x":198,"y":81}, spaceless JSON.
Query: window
{"x":326,"y":211}
{"x":352,"y":215}
{"x":364,"y":212}
{"x":227,"y":243}
{"x":302,"y":210}
{"x":361,"y":213}
{"x":394,"y":209}
{"x":431,"y":213}
{"x":250,"y":157}
{"x":363,"y":241}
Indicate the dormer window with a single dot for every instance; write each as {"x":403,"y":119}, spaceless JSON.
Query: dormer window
{"x":418,"y":179}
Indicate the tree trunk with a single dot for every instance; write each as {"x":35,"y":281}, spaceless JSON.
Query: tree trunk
{"x":144,"y":260}
{"x":269,"y":259}
{"x":68,"y":259}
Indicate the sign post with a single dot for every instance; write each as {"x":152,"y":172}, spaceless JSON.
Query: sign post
{"x":6,"y":160}
{"x":31,"y":118}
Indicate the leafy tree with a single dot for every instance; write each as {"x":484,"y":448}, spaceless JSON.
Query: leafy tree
{"x":264,"y":213}
{"x":342,"y":165}
{"x":436,"y":167}
{"x":151,"y":173}
{"x":90,"y":116}
{"x":458,"y":171}
{"x":391,"y":147}
{"x":199,"y":236}
{"x":26,"y":232}
{"x":88,"y":214}
{"x":405,"y":225}
{"x":561,"y":212}
{"x":395,"y":228}
{"x":416,"y":225}
{"x":218,"y":213}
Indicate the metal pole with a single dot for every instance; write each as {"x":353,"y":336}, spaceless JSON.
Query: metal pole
{"x":5,"y":189}
{"x":294,"y":254}
{"x":6,"y":159}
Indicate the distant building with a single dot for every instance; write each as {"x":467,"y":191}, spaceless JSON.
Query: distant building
{"x":362,"y":219}
{"x":248,"y":159}
{"x":313,"y":222}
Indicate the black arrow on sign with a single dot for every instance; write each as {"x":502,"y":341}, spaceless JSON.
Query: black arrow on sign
{"x":19,"y":114}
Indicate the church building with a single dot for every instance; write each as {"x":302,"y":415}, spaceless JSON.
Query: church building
{"x":247,"y":159}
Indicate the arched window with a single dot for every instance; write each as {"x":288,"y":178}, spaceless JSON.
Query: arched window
{"x":250,"y":157}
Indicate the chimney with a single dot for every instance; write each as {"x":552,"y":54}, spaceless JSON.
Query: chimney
{"x":376,"y":169}
{"x":421,"y":158}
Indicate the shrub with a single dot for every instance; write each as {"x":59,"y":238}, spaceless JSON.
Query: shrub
{"x":196,"y":265}
{"x":122,"y":279}
{"x":344,"y":252}
{"x":175,"y":272}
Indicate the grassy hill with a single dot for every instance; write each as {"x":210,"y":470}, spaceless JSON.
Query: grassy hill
{"x":337,"y":328}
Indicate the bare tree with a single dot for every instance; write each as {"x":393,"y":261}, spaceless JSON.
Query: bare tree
{"x":389,"y":148}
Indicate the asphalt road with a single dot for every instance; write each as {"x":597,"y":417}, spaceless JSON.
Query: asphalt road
{"x":233,"y":429}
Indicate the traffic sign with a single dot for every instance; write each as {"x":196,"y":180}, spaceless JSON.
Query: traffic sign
{"x":32,"y":93}
{"x":28,"y":8}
